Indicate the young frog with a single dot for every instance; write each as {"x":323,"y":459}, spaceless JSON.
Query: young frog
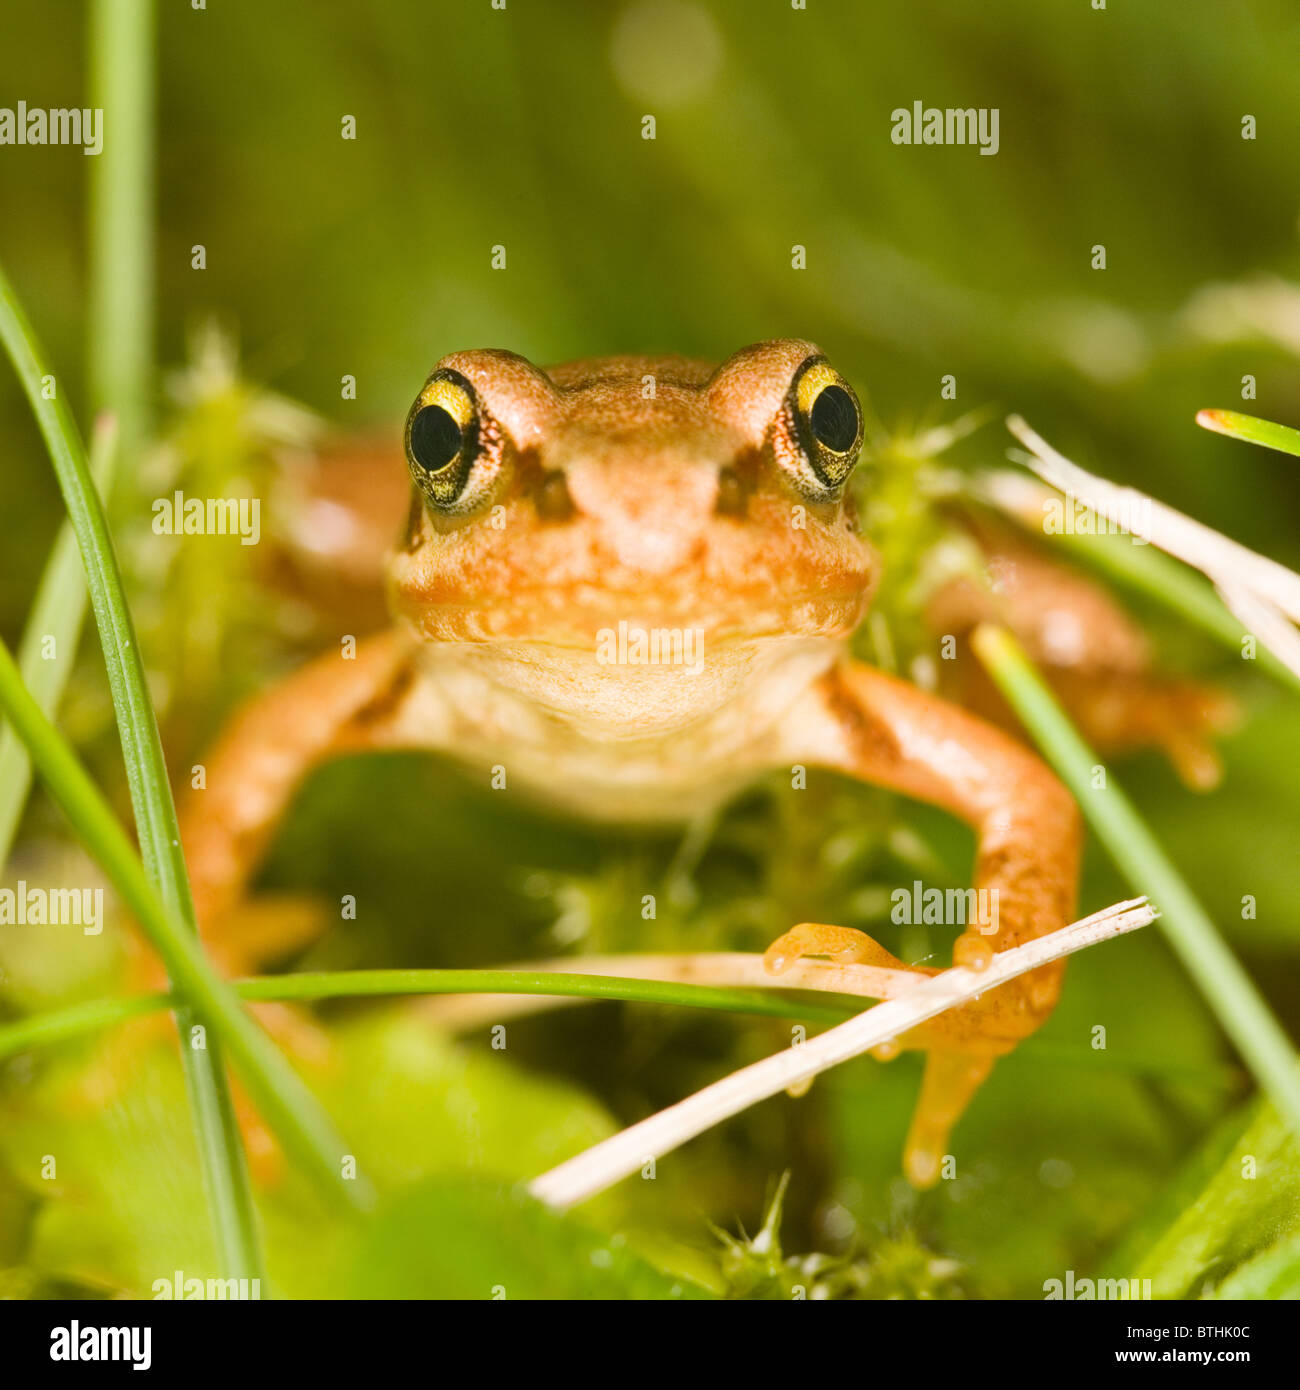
{"x":627,"y":584}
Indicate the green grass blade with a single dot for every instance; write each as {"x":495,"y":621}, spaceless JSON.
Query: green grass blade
{"x":120,"y":57}
{"x":1241,"y":1011}
{"x":76,"y":1021}
{"x":280,"y":1094}
{"x":151,"y":797}
{"x":60,"y":1025}
{"x":225,"y":1170}
{"x":337,"y":984}
{"x":56,"y":615}
{"x":1252,"y":429}
{"x":306,"y":1129}
{"x":120,"y":61}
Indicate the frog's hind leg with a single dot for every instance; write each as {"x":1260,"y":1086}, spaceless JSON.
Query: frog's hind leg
{"x":1093,"y":653}
{"x":340,"y":508}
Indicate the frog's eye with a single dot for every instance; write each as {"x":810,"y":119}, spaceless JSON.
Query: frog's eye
{"x":827,"y":421}
{"x":443,"y":439}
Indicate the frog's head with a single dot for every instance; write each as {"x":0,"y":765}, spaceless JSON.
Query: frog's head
{"x":551,"y":506}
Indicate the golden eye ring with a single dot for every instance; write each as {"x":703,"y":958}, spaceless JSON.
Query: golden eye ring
{"x":828,"y":421}
{"x":443,"y":438}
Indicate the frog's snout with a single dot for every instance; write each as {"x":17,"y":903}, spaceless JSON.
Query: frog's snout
{"x":653,"y":516}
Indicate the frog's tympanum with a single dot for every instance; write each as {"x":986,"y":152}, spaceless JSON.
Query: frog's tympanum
{"x":628,"y":584}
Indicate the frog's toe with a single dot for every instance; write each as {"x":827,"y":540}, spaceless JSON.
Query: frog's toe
{"x":1196,"y":761}
{"x":951,"y":1079}
{"x":1197,"y":715}
{"x":846,"y":945}
{"x":263,"y":931}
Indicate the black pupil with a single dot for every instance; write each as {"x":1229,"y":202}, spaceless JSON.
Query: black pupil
{"x":435,"y":438}
{"x":835,"y":419}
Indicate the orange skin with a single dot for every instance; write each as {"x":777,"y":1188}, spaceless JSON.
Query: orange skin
{"x":713,"y":504}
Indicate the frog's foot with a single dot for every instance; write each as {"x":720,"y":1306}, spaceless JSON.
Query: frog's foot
{"x":246,"y":939}
{"x":1189,"y":716}
{"x":264,"y":931}
{"x":846,"y":946}
{"x":1180,"y":718}
{"x":255,"y":934}
{"x":962,"y":1044}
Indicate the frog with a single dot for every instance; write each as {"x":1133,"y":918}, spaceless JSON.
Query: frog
{"x":628,"y":586}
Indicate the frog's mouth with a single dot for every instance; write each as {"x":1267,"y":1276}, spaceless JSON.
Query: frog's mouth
{"x":568,"y":586}
{"x":591,"y":617}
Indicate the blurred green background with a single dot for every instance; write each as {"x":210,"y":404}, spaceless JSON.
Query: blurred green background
{"x":523,"y":128}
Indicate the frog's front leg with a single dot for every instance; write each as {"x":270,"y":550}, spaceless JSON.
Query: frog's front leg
{"x":334,"y":705}
{"x":884,"y":731}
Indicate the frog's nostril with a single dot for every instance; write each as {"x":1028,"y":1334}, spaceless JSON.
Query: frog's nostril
{"x":552,"y":499}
